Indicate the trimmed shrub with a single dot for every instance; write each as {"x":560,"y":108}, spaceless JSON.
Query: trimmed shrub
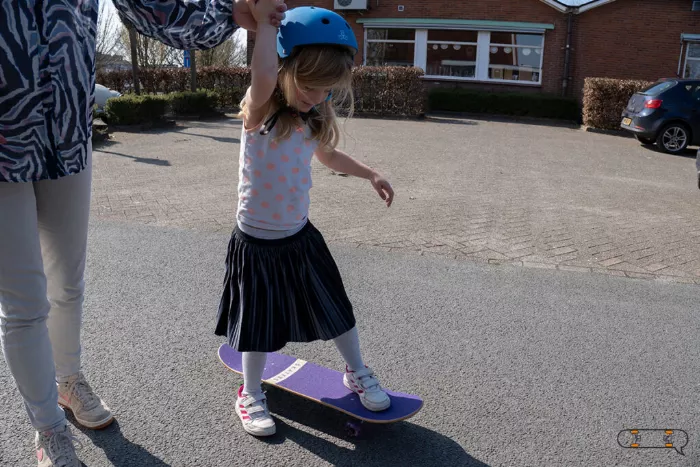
{"x":378,"y":90}
{"x":200,"y":103}
{"x":604,"y":99}
{"x":504,"y":103}
{"x":134,"y":110}
{"x":390,"y":90}
{"x":230,"y":83}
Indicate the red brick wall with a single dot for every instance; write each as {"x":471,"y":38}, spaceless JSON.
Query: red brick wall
{"x":631,"y":39}
{"x":532,"y":11}
{"x":624,"y":39}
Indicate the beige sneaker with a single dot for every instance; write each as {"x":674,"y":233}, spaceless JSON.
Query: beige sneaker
{"x":77,"y":396}
{"x":55,"y":448}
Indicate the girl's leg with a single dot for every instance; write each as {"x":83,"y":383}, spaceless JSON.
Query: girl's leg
{"x":349,"y":347}
{"x":253,"y":367}
{"x":251,"y":405}
{"x":358,"y":378}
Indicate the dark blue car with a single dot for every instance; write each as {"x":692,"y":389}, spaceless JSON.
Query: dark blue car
{"x":666,"y":113}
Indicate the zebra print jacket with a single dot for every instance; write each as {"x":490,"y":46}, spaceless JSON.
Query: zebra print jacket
{"x":47,"y":73}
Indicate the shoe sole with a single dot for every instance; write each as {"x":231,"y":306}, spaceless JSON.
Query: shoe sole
{"x":100,"y":425}
{"x":373,"y":409}
{"x":268,"y":432}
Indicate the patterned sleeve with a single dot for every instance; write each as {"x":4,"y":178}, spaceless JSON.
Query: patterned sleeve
{"x":183,"y":24}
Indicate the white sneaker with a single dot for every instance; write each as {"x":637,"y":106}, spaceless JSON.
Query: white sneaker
{"x":366,"y":385}
{"x":253,"y":412}
{"x":56,"y":449}
{"x":88,"y":409}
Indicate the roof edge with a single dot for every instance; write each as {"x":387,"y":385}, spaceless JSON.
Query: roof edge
{"x":594,"y":4}
{"x":558,"y":5}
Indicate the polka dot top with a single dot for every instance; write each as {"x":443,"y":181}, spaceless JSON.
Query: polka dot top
{"x":275,"y":179}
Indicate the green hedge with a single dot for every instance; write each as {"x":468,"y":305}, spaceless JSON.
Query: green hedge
{"x":200,"y":103}
{"x":229,"y":82}
{"x":134,"y":110}
{"x":504,"y":103}
{"x":604,"y":99}
{"x":390,"y":90}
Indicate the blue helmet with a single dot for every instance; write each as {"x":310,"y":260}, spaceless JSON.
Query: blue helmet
{"x":309,"y":25}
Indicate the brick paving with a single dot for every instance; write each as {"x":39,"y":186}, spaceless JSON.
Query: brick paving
{"x":477,"y":190}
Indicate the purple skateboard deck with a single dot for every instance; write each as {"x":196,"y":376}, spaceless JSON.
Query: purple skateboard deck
{"x":322,"y":385}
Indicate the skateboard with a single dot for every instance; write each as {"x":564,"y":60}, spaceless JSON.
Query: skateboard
{"x":324,"y":386}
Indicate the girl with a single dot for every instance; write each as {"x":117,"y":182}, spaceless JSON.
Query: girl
{"x":282,"y":284}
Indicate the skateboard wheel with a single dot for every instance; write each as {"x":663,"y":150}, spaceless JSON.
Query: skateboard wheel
{"x":352,"y":429}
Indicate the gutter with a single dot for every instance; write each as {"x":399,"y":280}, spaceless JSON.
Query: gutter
{"x":567,"y":55}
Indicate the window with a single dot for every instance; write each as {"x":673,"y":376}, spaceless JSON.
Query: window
{"x":451,"y":53}
{"x":692,"y":61}
{"x":515,"y":57}
{"x":657,"y":88}
{"x":390,"y":47}
{"x":459,"y":54}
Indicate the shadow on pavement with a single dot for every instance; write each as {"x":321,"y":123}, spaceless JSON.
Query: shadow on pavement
{"x":688,"y":152}
{"x":143,"y":160}
{"x":101,"y":147}
{"x":476,"y":118}
{"x":401,"y":443}
{"x":119,"y":451}
{"x":219,"y":139}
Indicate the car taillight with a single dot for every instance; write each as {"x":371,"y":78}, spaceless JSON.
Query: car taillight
{"x":653,"y":103}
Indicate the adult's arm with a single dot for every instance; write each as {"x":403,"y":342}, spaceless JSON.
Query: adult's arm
{"x":200,"y":24}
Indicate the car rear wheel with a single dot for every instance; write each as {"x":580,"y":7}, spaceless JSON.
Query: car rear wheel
{"x":673,"y":138}
{"x":645,"y":141}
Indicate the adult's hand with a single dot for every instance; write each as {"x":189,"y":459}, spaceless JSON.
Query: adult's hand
{"x":244,"y":17}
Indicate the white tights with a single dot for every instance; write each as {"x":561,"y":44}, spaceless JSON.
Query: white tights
{"x":348,"y":345}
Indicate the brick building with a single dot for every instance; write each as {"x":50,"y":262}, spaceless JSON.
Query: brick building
{"x":525,"y":45}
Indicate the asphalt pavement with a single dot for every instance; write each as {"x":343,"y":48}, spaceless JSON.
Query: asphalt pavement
{"x":517,"y":366}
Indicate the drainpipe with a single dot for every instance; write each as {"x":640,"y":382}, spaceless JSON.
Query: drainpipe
{"x":567,"y":55}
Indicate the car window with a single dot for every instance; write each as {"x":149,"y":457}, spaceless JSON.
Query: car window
{"x":693,"y":92}
{"x":658,"y":88}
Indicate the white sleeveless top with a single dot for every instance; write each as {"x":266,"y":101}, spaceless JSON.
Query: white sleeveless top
{"x":275,"y":179}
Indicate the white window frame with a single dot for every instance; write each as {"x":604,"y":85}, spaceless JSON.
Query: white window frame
{"x":390,"y":41}
{"x":517,"y":46}
{"x":688,"y":57}
{"x":428,"y":43}
{"x":483,"y":45}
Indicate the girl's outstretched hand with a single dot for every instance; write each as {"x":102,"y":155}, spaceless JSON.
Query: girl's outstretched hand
{"x":244,"y":13}
{"x":383,"y":187}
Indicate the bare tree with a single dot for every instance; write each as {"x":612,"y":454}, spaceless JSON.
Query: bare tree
{"x":107,"y":44}
{"x":134,"y":59}
{"x":151,"y":52}
{"x":240,"y":48}
{"x":230,"y":53}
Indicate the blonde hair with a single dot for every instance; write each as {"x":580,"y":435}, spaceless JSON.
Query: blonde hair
{"x":315,"y":66}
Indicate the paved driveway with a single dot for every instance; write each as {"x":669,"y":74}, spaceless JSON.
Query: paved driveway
{"x":478,"y":190}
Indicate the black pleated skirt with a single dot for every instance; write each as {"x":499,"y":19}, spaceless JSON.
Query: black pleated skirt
{"x":282,"y":290}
